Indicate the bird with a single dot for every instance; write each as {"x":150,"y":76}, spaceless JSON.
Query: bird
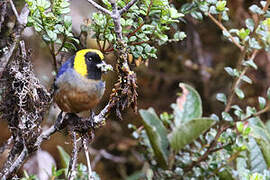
{"x":78,"y":83}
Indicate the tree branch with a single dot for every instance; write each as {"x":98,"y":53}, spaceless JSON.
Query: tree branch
{"x":224,"y":29}
{"x":237,"y":83}
{"x":98,"y":7}
{"x":15,"y":11}
{"x":126,"y":8}
{"x":101,"y":116}
{"x":209,"y":150}
{"x":21,"y":22}
{"x":16,"y":164}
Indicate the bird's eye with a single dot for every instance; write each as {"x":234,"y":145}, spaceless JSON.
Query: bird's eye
{"x":89,"y":59}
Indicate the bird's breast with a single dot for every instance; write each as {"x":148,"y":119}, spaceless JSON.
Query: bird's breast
{"x":76,"y":93}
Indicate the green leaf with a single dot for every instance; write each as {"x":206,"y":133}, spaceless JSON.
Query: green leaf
{"x":263,"y":3}
{"x":246,"y":79}
{"x":221,"y":5}
{"x":136,"y":175}
{"x":268,"y":93}
{"x":230,"y":71}
{"x":226,"y":116}
{"x":243,"y":33}
{"x":157,"y":135}
{"x":225,"y":174}
{"x":250,"y":111}
{"x":214,"y":117}
{"x":240,"y":126}
{"x":239,"y":93}
{"x":58,"y":172}
{"x":75,"y":40}
{"x":64,"y":158}
{"x":256,"y":159}
{"x":250,"y":63}
{"x":185,"y":8}
{"x":64,"y":10}
{"x":225,"y":16}
{"x":43,"y":4}
{"x":179,"y":35}
{"x":132,"y":38}
{"x":52,"y":35}
{"x":188,"y":132}
{"x":67,"y":21}
{"x":265,"y":148}
{"x":254,"y":43}
{"x":174,"y":14}
{"x":46,"y":38}
{"x":64,"y":4}
{"x":197,"y":15}
{"x":69,"y":46}
{"x":139,"y":49}
{"x":221,"y":97}
{"x":250,"y":24}
{"x":59,"y":28}
{"x":212,"y":1}
{"x":147,"y":48}
{"x":255,"y":9}
{"x":213,"y":10}
{"x":262,"y":102}
{"x":188,"y":106}
{"x":267,"y":124}
{"x":204,"y":7}
{"x":241,"y":163}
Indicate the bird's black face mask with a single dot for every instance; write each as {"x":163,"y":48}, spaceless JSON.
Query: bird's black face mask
{"x":92,"y":60}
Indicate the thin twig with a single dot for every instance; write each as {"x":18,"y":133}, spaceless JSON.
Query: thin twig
{"x":3,"y":13}
{"x":101,"y":116}
{"x":98,"y":7}
{"x":107,"y":155}
{"x":116,"y":16}
{"x":15,"y":11}
{"x":219,"y":148}
{"x":53,"y":53}
{"x":206,"y":154}
{"x":264,"y":110}
{"x":126,"y":8}
{"x":85,"y":146}
{"x":237,"y":83}
{"x":136,"y":30}
{"x":62,"y":45}
{"x":16,"y":164}
{"x":224,"y":29}
{"x":73,"y":159}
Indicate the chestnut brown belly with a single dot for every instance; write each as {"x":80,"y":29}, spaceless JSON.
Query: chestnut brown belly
{"x":74,"y":101}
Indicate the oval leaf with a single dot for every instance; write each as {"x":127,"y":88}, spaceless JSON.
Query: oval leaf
{"x":188,"y":106}
{"x":157,"y":135}
{"x":265,"y":148}
{"x":256,"y":159}
{"x":188,"y":132}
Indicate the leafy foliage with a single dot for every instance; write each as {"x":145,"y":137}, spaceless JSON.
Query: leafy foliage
{"x":157,"y":135}
{"x":237,"y":147}
{"x":144,"y":25}
{"x":82,"y":173}
{"x":49,"y":19}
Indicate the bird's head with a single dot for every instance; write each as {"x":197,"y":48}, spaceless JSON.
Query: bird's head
{"x":90,"y":63}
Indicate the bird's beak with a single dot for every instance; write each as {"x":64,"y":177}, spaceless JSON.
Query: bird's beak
{"x":104,"y":67}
